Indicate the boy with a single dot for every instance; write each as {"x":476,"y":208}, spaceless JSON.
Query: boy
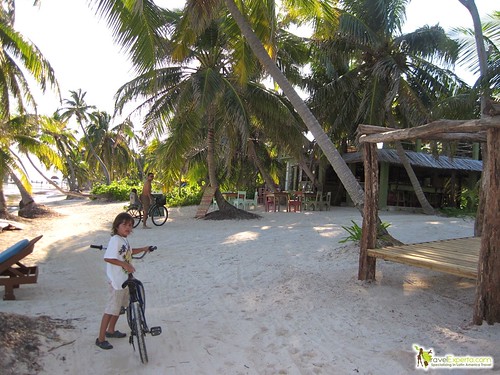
{"x":118,"y":258}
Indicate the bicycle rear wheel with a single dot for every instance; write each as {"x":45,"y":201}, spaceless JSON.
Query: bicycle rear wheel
{"x":159,"y":215}
{"x":136,"y":214}
{"x":140,"y":331}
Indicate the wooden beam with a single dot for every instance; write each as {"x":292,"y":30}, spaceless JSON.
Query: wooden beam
{"x":427,"y":130}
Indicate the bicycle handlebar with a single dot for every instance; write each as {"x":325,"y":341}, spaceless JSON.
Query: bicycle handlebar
{"x":151,"y":248}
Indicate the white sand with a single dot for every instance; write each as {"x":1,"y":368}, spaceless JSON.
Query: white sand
{"x":277,"y":295}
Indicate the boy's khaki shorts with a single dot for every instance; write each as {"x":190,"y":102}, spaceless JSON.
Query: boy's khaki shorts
{"x":117,"y":299}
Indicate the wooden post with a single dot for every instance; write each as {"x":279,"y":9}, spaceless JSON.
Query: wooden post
{"x":487,"y":303}
{"x":367,"y":264}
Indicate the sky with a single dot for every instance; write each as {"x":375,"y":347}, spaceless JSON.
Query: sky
{"x":80,"y":47}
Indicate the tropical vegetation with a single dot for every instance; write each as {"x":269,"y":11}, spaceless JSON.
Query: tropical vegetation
{"x":219,"y":91}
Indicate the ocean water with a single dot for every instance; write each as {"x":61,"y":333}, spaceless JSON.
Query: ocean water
{"x":42,"y":192}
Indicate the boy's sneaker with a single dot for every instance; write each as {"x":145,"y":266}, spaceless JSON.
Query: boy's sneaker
{"x":116,"y":334}
{"x":103,"y":344}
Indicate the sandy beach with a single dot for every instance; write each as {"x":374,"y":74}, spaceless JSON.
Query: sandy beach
{"x":278,"y":295}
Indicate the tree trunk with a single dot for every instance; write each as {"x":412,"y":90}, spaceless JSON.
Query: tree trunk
{"x":26,"y":198}
{"x":339,"y":165}
{"x":72,"y":193}
{"x":367,"y":264}
{"x":427,"y":208}
{"x":483,"y":186}
{"x":94,"y":153}
{"x":263,"y":171}
{"x":307,"y":171}
{"x":4,"y":213}
{"x":483,"y":67}
{"x":226,"y":210}
{"x":487,"y":302}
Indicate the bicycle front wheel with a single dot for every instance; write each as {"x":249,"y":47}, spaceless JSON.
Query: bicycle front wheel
{"x":159,"y":215}
{"x":140,"y":331}
{"x":136,"y":214}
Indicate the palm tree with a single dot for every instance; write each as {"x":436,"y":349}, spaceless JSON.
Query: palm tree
{"x":18,"y":58}
{"x":345,"y":174}
{"x":76,"y":106}
{"x":109,"y":145}
{"x":67,"y":146}
{"x":28,"y":137}
{"x":385,"y":77}
{"x":480,"y":51}
{"x":487,"y":301}
{"x":208,"y":109}
{"x":201,"y":14}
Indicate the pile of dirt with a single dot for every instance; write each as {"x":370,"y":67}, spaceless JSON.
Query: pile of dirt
{"x":35,"y":210}
{"x":25,"y":340}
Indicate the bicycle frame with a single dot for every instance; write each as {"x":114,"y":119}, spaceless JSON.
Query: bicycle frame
{"x":136,"y":310}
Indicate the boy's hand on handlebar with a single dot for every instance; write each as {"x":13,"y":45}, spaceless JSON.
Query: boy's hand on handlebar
{"x":129,"y":268}
{"x":151,"y":248}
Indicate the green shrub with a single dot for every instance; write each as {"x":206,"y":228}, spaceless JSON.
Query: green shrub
{"x":355,"y":231}
{"x":188,"y":195}
{"x":116,"y":191}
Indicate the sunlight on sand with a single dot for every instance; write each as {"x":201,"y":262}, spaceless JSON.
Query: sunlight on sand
{"x":241,"y":237}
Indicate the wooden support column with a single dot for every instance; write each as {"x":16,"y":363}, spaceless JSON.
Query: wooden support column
{"x":384,"y":185}
{"x":487,"y":302}
{"x":367,"y":264}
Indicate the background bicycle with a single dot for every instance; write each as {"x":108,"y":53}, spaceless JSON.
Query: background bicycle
{"x":136,"y":310}
{"x":158,"y":212}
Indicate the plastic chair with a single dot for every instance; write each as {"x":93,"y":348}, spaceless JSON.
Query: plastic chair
{"x":240,"y":199}
{"x":252,"y":202}
{"x":325,"y":204}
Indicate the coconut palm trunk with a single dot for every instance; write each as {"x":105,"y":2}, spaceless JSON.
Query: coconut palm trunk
{"x":340,"y":167}
{"x":4,"y":213}
{"x":483,"y":68}
{"x":263,"y":171}
{"x":424,"y":203}
{"x":487,"y":300}
{"x":26,"y":198}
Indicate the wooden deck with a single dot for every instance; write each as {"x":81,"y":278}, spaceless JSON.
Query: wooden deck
{"x":457,"y":257}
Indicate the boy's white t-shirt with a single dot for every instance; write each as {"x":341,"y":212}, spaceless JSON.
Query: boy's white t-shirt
{"x":118,"y":248}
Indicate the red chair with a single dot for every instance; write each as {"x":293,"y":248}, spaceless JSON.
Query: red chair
{"x":295,"y":201}
{"x":272,"y":203}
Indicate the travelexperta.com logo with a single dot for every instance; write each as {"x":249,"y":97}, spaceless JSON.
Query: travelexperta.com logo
{"x":426,"y":358}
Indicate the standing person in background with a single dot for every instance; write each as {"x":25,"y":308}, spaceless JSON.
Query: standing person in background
{"x":146,"y":199}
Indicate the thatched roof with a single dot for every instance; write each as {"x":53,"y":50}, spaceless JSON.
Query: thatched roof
{"x":420,"y":159}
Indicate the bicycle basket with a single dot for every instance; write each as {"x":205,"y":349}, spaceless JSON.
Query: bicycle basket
{"x":161,"y":201}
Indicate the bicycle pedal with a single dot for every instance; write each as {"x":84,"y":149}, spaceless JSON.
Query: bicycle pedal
{"x":155,"y":331}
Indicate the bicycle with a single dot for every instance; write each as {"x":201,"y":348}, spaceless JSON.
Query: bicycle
{"x":157,"y":212}
{"x":136,"y":310}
